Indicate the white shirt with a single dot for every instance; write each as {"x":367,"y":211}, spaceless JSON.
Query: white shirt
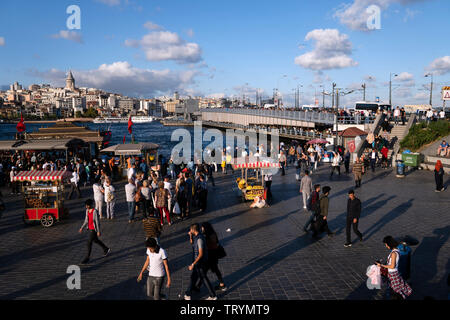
{"x":336,"y":160}
{"x":442,"y":114}
{"x":131,"y":173}
{"x":396,"y":261}
{"x":397,"y":113}
{"x":98,"y":195}
{"x":130,"y":191}
{"x":109,"y":190}
{"x":155,"y":264}
{"x":167,"y":185}
{"x":75,"y":178}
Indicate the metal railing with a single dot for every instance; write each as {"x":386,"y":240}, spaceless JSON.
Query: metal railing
{"x":297,"y":132}
{"x":307,"y":116}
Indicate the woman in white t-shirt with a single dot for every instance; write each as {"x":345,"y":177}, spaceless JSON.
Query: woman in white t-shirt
{"x":98,"y":197}
{"x":157,"y":267}
{"x":110,"y":198}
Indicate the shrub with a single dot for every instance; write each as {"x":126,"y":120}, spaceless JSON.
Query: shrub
{"x":421,"y":134}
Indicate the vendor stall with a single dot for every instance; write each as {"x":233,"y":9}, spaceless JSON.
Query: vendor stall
{"x":145,"y":150}
{"x":43,"y":195}
{"x":252,"y":186}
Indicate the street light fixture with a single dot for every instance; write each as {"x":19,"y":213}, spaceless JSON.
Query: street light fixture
{"x":390,"y":87}
{"x":431,"y":87}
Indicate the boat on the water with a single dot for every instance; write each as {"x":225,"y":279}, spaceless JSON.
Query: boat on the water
{"x":134,"y":119}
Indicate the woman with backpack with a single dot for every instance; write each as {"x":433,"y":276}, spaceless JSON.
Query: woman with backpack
{"x":399,"y":287}
{"x":162,"y":197}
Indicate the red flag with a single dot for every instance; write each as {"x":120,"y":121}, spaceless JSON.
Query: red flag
{"x":130,"y":126}
{"x":21,"y":125}
{"x":124,"y":139}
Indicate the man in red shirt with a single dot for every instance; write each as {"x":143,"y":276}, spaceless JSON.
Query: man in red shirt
{"x":384,"y":158}
{"x":92,"y":224}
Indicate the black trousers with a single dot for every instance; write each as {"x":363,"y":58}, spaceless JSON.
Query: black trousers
{"x":199,"y":274}
{"x":347,"y":166}
{"x":337,"y":168}
{"x":372,"y":164}
{"x":355,"y":229}
{"x":269,"y":190}
{"x":203,"y":199}
{"x":76,"y":188}
{"x":92,"y":237}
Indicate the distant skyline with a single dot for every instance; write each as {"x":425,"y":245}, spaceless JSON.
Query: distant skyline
{"x":209,"y":48}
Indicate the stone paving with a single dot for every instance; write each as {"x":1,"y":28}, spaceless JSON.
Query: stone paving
{"x":269,"y":255}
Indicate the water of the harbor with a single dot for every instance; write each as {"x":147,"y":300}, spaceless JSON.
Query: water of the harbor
{"x":145,"y":132}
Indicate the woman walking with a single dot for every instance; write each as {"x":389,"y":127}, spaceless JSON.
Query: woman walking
{"x":147,"y":201}
{"x":110,"y":198}
{"x":162,"y":199}
{"x":399,"y":287}
{"x":439,"y":176}
{"x":212,"y":244}
{"x":157,"y":267}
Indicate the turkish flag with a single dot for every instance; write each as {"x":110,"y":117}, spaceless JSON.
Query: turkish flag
{"x":130,"y":126}
{"x":351,"y":146}
{"x":21,"y":125}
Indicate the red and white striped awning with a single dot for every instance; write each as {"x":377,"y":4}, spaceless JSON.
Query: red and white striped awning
{"x":257,"y":165}
{"x":42,"y":175}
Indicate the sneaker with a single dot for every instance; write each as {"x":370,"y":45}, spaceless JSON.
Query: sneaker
{"x":211,"y":298}
{"x":220,"y":288}
{"x":186,"y":297}
{"x":304,"y":207}
{"x":443,"y":189}
{"x":437,"y":190}
{"x":347,"y":245}
{"x":107,"y":252}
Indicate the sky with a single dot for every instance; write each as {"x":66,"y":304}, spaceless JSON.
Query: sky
{"x":147,"y":48}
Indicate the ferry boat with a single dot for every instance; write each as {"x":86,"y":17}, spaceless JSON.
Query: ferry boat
{"x":135,"y":119}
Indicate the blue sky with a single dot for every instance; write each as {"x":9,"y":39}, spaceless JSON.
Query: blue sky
{"x":146,"y":48}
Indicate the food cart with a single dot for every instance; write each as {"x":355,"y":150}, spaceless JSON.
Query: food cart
{"x":250,"y":187}
{"x":43,"y":195}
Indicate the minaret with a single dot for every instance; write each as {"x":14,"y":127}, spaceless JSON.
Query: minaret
{"x":70,"y":82}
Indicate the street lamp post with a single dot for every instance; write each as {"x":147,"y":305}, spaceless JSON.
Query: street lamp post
{"x":364,"y":91}
{"x":390,"y":87}
{"x":431,"y":88}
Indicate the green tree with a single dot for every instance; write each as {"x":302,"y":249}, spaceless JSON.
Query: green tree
{"x":91,"y":113}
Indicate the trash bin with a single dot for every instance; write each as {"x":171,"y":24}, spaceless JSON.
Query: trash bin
{"x":400,"y":169}
{"x":411,"y":159}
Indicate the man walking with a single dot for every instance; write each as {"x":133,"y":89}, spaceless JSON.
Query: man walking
{"x":313,"y":206}
{"x":92,"y":224}
{"x":347,"y":161}
{"x":282,"y":161}
{"x":373,"y":159}
{"x":199,"y":264}
{"x":306,"y":188}
{"x":353,"y":214}
{"x":130,"y":192}
{"x":322,"y":222}
{"x":358,"y":170}
{"x":74,"y":185}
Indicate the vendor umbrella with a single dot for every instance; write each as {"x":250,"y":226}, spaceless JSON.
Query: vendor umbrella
{"x":318,"y":141}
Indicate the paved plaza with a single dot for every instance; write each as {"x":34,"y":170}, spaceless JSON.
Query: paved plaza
{"x":269,"y":255}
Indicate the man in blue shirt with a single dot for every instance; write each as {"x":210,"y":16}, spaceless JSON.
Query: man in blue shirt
{"x":443,"y":147}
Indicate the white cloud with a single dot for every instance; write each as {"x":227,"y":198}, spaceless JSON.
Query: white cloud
{"x":354,"y":15}
{"x":121,"y":77}
{"x":110,"y":2}
{"x":68,"y":35}
{"x":166,"y":45}
{"x":331,"y":51}
{"x":152,"y":26}
{"x":190,"y":33}
{"x":440,"y":66}
{"x":406,"y":78}
{"x":2,"y":41}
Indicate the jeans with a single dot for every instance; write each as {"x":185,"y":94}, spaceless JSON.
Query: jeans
{"x":310,"y":220}
{"x":110,"y":209}
{"x":154,"y":286}
{"x":131,"y":209}
{"x":199,"y":273}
